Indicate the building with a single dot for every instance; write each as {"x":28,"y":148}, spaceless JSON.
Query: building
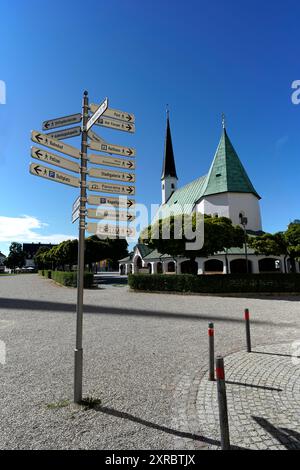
{"x":2,"y":260}
{"x":226,"y":190}
{"x":30,"y":250}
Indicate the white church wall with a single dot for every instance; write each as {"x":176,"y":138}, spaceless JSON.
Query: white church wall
{"x":168,"y":186}
{"x":231,"y":205}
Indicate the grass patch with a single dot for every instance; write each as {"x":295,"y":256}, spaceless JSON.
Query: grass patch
{"x":90,"y":402}
{"x":59,"y":404}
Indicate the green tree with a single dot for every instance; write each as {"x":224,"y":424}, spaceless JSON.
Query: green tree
{"x":219,"y":235}
{"x":39,"y":258}
{"x":16,"y":256}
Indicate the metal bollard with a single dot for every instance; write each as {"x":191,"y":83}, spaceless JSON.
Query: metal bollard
{"x":222,"y":402}
{"x":211,"y":348}
{"x":247,"y":322}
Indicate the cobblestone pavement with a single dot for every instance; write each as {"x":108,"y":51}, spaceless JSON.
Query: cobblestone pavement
{"x":263,"y":397}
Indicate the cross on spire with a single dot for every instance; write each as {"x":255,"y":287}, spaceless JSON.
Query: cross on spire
{"x":223,"y":121}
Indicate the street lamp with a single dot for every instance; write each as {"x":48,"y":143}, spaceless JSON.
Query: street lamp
{"x":244,"y":222}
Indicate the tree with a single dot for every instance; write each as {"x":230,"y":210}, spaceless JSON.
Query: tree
{"x":39,"y":257}
{"x":16,"y":256}
{"x":219,"y":235}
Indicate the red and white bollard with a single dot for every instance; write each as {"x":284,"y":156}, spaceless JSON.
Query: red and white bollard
{"x":222,"y":402}
{"x":247,"y":323}
{"x":211,"y":351}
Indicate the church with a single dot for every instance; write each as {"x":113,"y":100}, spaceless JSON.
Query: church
{"x":225,"y":191}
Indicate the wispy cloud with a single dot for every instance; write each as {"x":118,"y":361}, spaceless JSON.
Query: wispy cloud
{"x":25,"y":229}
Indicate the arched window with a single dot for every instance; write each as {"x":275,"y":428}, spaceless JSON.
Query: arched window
{"x":171,"y":267}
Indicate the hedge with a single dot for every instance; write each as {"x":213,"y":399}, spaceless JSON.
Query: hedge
{"x":230,"y":283}
{"x":69,"y":278}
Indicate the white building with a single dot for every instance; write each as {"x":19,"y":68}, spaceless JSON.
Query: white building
{"x":226,"y":191}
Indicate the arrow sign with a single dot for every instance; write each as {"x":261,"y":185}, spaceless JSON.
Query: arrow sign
{"x":99,"y":111}
{"x":115,"y":113}
{"x":55,"y":144}
{"x":112,"y":175}
{"x":50,"y":174}
{"x":54,"y":159}
{"x":110,"y":215}
{"x":115,"y":124}
{"x":111,"y":188}
{"x":112,"y":161}
{"x":95,"y":137}
{"x":62,"y":121}
{"x":112,"y":148}
{"x":66,"y":133}
{"x":75,"y":210}
{"x":110,"y":201}
{"x":110,"y":230}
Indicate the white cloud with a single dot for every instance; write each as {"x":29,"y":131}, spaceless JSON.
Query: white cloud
{"x":24,"y":229}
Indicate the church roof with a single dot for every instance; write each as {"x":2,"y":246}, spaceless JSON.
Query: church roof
{"x":169,"y":168}
{"x":227,"y":173}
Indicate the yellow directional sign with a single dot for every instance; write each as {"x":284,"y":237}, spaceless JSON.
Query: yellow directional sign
{"x":61,"y":121}
{"x":120,"y":202}
{"x":110,"y":230}
{"x":65,"y":133}
{"x":115,"y":124}
{"x":53,"y":175}
{"x":112,"y":148}
{"x":112,"y":161}
{"x":111,"y":188}
{"x":110,"y":214}
{"x":112,"y":175}
{"x":54,"y":159}
{"x":47,"y":141}
{"x":115,"y":113}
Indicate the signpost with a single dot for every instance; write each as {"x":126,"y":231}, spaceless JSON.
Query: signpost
{"x":111,"y":188}
{"x":57,"y":160}
{"x":113,"y":230}
{"x":66,"y":133}
{"x":112,"y":175}
{"x":116,"y":124}
{"x":48,"y":141}
{"x":54,"y":175}
{"x":112,"y":161}
{"x":62,"y":121}
{"x":112,"y":148}
{"x":111,"y":214}
{"x":114,"y":119}
{"x":110,"y":201}
{"x":99,"y":111}
{"x":115,"y":113}
{"x":75,"y":209}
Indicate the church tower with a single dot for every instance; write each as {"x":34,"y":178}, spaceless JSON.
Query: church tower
{"x":169,"y":177}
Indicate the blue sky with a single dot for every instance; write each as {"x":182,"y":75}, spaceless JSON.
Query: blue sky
{"x":202,"y":58}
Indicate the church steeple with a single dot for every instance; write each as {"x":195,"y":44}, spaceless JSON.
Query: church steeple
{"x":169,"y":176}
{"x":169,"y":168}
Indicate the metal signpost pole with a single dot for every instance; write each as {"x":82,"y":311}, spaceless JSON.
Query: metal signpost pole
{"x":81,"y":242}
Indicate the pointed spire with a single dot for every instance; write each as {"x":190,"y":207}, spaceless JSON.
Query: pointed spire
{"x":223,"y":121}
{"x":227,"y":173}
{"x":169,"y":168}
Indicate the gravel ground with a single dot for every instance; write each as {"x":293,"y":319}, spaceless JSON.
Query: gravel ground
{"x":138,"y":350}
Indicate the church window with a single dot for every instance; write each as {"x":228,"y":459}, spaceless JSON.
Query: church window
{"x":163,"y":186}
{"x":218,"y":174}
{"x":172,"y":186}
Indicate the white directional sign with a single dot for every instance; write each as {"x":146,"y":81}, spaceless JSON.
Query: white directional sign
{"x":115,"y":113}
{"x":111,"y":201}
{"x":123,"y":216}
{"x":112,"y":148}
{"x":112,"y":161}
{"x":111,"y":188}
{"x":115,"y":124}
{"x":110,"y":230}
{"x":112,"y":175}
{"x":66,"y":133}
{"x":55,"y":144}
{"x":75,"y":210}
{"x":95,"y":137}
{"x":61,"y":121}
{"x":98,"y":112}
{"x":50,"y":174}
{"x":54,"y":159}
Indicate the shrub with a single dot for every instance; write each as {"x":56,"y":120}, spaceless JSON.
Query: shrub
{"x":230,"y":283}
{"x":41,"y":272}
{"x":69,"y":279}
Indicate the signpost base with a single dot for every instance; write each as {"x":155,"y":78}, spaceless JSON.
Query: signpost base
{"x":78,"y":356}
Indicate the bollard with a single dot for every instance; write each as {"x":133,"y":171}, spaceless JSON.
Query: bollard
{"x":211,"y":349}
{"x":247,"y":322}
{"x":222,"y":402}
